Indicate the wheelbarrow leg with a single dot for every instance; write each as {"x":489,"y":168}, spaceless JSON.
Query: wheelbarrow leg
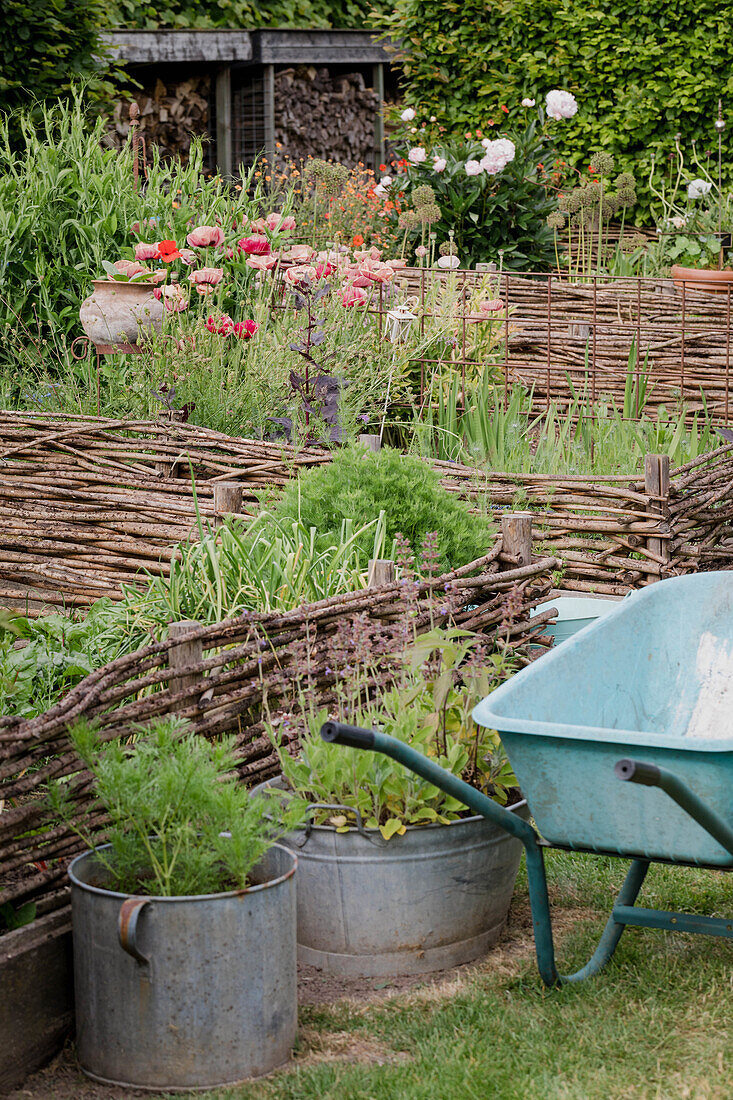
{"x":614,"y":929}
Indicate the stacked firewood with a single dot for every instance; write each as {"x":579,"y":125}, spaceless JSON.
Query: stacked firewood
{"x":170,"y":115}
{"x":320,"y":115}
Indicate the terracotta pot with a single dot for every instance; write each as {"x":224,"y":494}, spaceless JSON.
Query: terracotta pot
{"x":120,"y":313}
{"x":697,"y":278}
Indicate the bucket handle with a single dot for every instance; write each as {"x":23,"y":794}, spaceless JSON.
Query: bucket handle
{"x":308,"y":828}
{"x":130,"y":911}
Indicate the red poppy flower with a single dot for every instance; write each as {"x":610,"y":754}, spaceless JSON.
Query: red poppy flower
{"x":255,"y":246}
{"x":168,"y":251}
{"x":504,"y":109}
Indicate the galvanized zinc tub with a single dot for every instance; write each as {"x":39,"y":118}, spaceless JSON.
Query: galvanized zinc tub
{"x":436,"y":897}
{"x":189,"y":992}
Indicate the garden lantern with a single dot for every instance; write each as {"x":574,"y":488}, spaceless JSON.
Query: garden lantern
{"x":399,"y":323}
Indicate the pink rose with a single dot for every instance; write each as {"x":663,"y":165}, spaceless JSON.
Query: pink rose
{"x":206,"y":279}
{"x":145,"y":251}
{"x":245,"y":330}
{"x":254,"y":246}
{"x":439,"y":164}
{"x":204,"y":236}
{"x":417,"y":155}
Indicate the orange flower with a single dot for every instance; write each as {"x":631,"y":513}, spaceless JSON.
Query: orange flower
{"x":504,"y":109}
{"x":168,"y":251}
{"x":357,"y":241}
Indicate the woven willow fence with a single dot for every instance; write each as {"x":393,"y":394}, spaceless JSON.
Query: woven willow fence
{"x":219,"y":677}
{"x":636,"y":343}
{"x":87,"y":504}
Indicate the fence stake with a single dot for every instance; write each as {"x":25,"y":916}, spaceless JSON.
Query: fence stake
{"x":516,"y":536}
{"x":180,"y":656}
{"x":371,"y":442}
{"x":227,"y":499}
{"x":381,"y":571}
{"x":656,"y":486}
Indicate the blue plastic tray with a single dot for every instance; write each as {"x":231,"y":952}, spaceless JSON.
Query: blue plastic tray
{"x":652,"y":680}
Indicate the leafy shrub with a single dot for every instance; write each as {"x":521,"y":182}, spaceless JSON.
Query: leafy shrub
{"x":46,"y":46}
{"x":236,"y":13}
{"x":181,"y":822}
{"x":485,"y":214}
{"x":359,"y":485}
{"x":641,"y":72}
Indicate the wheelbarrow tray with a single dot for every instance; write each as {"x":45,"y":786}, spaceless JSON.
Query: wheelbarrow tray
{"x":651,"y":680}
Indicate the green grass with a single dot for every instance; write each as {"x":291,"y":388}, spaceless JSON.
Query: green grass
{"x":654,"y":1024}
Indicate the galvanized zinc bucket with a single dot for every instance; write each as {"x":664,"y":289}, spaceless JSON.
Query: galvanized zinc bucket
{"x":436,"y":897}
{"x":189,"y":992}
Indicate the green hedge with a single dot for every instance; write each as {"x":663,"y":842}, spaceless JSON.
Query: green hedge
{"x":640,"y":72}
{"x":46,"y":46}
{"x":236,"y":13}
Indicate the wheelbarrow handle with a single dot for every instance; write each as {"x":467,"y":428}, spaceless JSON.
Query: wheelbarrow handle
{"x":339,"y":733}
{"x":650,"y":775}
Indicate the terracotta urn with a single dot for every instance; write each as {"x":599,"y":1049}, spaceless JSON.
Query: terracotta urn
{"x":699,"y":278}
{"x":120,"y":313}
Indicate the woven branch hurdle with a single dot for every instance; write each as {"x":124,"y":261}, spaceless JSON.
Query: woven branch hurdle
{"x":88,"y":503}
{"x":565,"y":337}
{"x":615,"y":534}
{"x":228,"y":671}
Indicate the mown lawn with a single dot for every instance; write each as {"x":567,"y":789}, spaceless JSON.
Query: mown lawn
{"x":655,"y":1024}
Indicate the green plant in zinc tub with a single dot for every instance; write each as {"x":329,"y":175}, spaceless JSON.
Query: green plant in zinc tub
{"x":395,"y":877}
{"x":184,"y":922}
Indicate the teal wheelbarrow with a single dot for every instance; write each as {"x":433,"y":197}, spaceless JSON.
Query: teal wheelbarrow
{"x":622,"y":742}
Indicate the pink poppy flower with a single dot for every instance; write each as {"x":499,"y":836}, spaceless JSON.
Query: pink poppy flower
{"x":221,"y":325}
{"x":205,"y":236}
{"x":396,"y":264}
{"x":145,"y":251}
{"x":258,"y":226}
{"x":352,"y":296}
{"x":262,"y":263}
{"x":172,"y":296}
{"x":491,"y":305}
{"x":245,"y":330}
{"x":300,"y":272}
{"x":323,"y":270}
{"x":131,"y":268}
{"x":206,"y":279}
{"x":188,"y":256}
{"x":369,"y":254}
{"x":299,"y":253}
{"x":254,"y":246}
{"x":278,"y":223}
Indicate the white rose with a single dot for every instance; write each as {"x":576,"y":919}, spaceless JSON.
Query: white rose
{"x":439,"y":164}
{"x":448,"y":262}
{"x":417,"y":155}
{"x":407,"y":115}
{"x":698,"y":188}
{"x":561,"y":104}
{"x":473,"y":168}
{"x":386,"y":181}
{"x":528,"y":103}
{"x":380,"y":192}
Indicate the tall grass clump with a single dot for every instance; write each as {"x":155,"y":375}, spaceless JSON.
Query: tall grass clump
{"x":67,"y":203}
